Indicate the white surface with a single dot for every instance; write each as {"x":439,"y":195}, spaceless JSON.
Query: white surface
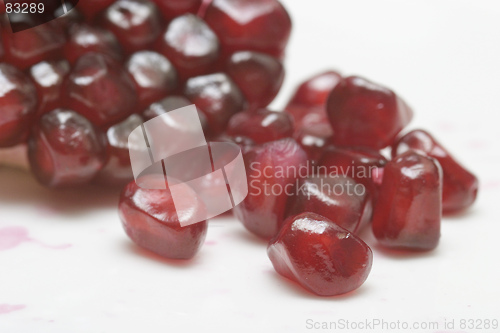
{"x":441,"y":56}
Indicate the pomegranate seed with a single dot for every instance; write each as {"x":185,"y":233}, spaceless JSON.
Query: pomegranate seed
{"x":84,"y":39}
{"x":100,"y":89}
{"x":18,"y":105}
{"x":190,"y":44}
{"x":459,"y":185}
{"x":261,"y":125}
{"x":363,"y":113}
{"x":337,"y":198}
{"x":65,"y":149}
{"x":117,"y":170}
{"x":217,"y":97}
{"x":49,"y":77}
{"x":255,"y":25}
{"x":174,"y":8}
{"x":25,"y":48}
{"x":150,"y":219}
{"x":153,"y":75}
{"x":408,"y":211}
{"x":313,"y":135}
{"x":359,"y":163}
{"x":136,"y":23}
{"x":90,"y":8}
{"x":315,"y":90}
{"x":272,"y":173}
{"x":319,"y":255}
{"x":258,"y":75}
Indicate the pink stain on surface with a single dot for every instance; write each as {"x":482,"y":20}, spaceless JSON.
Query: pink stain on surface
{"x":11,"y":237}
{"x":7,"y":308}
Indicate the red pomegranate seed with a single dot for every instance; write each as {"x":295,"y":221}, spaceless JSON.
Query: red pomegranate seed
{"x":255,"y":25}
{"x":363,"y":113}
{"x":150,"y":219}
{"x":190,"y":44}
{"x":408,"y":211}
{"x":18,"y":104}
{"x":90,"y":8}
{"x":217,"y":97}
{"x":261,"y":125}
{"x":314,"y":134}
{"x":136,"y":23}
{"x":117,"y":170}
{"x":337,"y":198}
{"x":25,"y":48}
{"x":272,"y":173}
{"x":315,"y":90}
{"x":153,"y":75}
{"x":65,"y":149}
{"x":49,"y":77}
{"x":319,"y":255}
{"x":100,"y":89}
{"x":459,"y":185}
{"x":84,"y":39}
{"x":173,"y":8}
{"x":258,"y":75}
{"x":359,"y":163}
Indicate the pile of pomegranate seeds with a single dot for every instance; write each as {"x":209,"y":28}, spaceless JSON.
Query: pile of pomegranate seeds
{"x":73,"y":90}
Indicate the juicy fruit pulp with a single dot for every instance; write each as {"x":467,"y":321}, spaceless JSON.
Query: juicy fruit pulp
{"x":408,"y":211}
{"x":321,"y":256}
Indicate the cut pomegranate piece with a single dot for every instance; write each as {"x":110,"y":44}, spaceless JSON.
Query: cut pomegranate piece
{"x":84,"y":39}
{"x":117,"y":170}
{"x":65,"y":149}
{"x":150,"y":219}
{"x":49,"y":77}
{"x":190,"y":44}
{"x":408,"y":211}
{"x":359,"y":163}
{"x":217,"y":97}
{"x":25,"y":48}
{"x":255,"y":25}
{"x":18,"y":104}
{"x":337,"y":198}
{"x":261,"y":125}
{"x":154,"y":76}
{"x":363,"y":113}
{"x":174,"y":8}
{"x":272,"y":173}
{"x":459,"y":185}
{"x":258,"y":75}
{"x":136,"y":23}
{"x":100,"y":89}
{"x":319,"y":255}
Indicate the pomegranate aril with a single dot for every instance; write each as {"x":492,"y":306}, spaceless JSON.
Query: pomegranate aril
{"x":254,"y":25}
{"x":319,"y":255}
{"x":359,"y":163}
{"x":117,"y":170}
{"x":48,"y":77}
{"x":84,"y":38}
{"x":313,"y":138}
{"x":136,"y":23}
{"x":363,"y":113}
{"x":460,"y":186}
{"x":217,"y":97}
{"x":315,"y":90}
{"x":150,"y":219}
{"x":337,"y":198}
{"x":90,"y":8}
{"x":261,"y":125}
{"x":190,"y":44}
{"x":25,"y":48}
{"x":100,"y":89}
{"x":272,"y":173}
{"x":173,"y":8}
{"x":18,"y":102}
{"x":153,"y":75}
{"x":408,"y":210}
{"x":65,"y":149}
{"x":258,"y":75}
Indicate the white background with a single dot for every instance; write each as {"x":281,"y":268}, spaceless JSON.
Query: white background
{"x":80,"y":273}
